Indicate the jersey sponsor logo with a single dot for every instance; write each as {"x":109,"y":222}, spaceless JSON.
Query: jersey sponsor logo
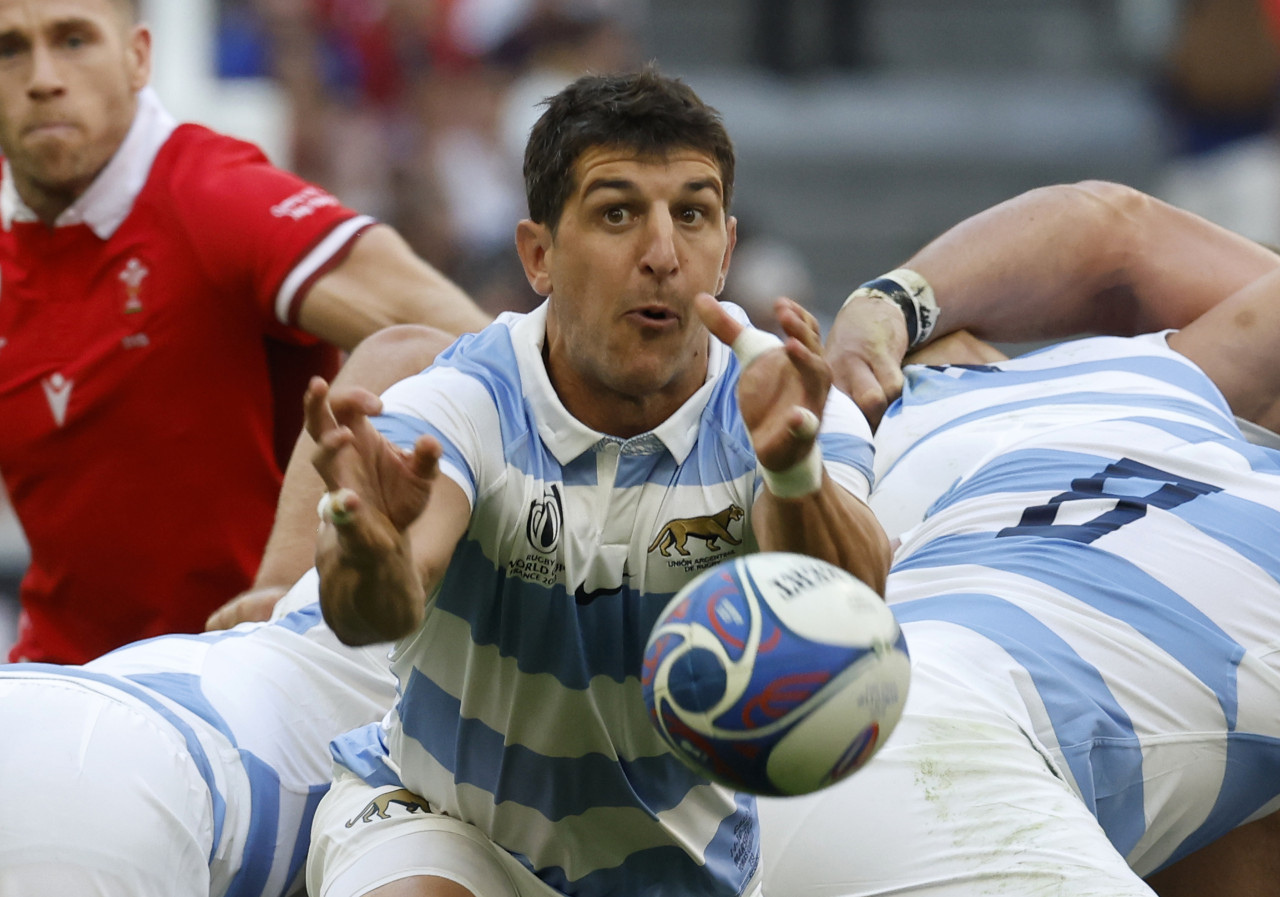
{"x":303,"y":203}
{"x":135,"y":341}
{"x":583,"y":597}
{"x":677,"y":533}
{"x":132,"y":276}
{"x":57,"y":391}
{"x":546,"y":520}
{"x":379,"y":805}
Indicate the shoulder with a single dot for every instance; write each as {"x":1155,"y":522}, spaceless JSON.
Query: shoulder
{"x":196,"y":152}
{"x":475,"y":369}
{"x":490,"y":357}
{"x":204,"y":170}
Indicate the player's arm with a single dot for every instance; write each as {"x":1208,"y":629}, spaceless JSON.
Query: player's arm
{"x":1235,"y":344}
{"x":380,"y":360}
{"x":381,"y":282}
{"x":1092,"y":257}
{"x":390,"y":520}
{"x":782,"y":393}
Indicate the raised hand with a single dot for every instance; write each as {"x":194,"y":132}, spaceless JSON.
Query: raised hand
{"x":361,"y":468}
{"x":782,"y":391}
{"x":370,"y":584}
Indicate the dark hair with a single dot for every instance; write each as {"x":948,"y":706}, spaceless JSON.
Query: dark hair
{"x":642,"y":111}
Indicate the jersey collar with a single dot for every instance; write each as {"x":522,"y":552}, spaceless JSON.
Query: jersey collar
{"x":566,"y":436}
{"x":109,"y":199}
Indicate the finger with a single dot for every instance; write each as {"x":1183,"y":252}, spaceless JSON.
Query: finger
{"x":426,"y":456}
{"x":324,"y":454}
{"x":868,"y":393}
{"x":254,"y":605}
{"x":798,"y":323}
{"x":716,"y":318}
{"x":804,"y":424}
{"x":352,"y":403}
{"x":222,"y":618}
{"x":315,"y":408}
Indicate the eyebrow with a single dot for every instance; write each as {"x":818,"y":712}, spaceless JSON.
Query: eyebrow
{"x":56,"y":27}
{"x":696,"y":185}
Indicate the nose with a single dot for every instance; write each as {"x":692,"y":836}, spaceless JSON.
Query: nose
{"x":660,"y":258}
{"x":46,"y":77}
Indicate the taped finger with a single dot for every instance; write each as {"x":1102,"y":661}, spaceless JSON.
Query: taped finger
{"x":752,"y":343}
{"x":334,"y":507}
{"x":808,"y":426}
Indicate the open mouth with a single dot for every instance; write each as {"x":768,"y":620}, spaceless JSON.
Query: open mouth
{"x":656,"y":314}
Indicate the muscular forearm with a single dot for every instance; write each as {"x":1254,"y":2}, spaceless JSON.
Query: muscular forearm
{"x":291,"y":547}
{"x":1234,"y":344}
{"x":1091,"y":257}
{"x":381,"y":283}
{"x":829,"y":524}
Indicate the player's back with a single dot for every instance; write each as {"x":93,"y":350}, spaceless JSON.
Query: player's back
{"x":248,"y":713}
{"x":1100,"y":539}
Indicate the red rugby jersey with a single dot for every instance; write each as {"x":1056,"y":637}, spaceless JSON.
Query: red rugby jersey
{"x":136,"y":408}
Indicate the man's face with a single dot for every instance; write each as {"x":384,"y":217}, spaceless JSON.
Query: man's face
{"x":69,"y":74}
{"x":637,"y":240}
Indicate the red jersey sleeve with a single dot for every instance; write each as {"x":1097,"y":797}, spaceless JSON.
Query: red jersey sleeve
{"x":259,"y":231}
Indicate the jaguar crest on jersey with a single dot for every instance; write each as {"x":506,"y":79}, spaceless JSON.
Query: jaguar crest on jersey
{"x":709,"y":530}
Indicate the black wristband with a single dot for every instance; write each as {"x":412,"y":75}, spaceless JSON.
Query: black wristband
{"x":897,"y":293}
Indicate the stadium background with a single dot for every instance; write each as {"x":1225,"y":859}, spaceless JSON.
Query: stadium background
{"x":858,"y":139}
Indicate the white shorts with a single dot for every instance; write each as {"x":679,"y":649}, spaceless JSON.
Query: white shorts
{"x":365,"y":837}
{"x":958,"y":801}
{"x":100,"y":798}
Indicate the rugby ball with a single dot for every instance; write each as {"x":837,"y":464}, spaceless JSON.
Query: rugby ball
{"x":775,"y":673}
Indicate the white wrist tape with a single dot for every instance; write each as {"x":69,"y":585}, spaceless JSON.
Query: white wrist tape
{"x":912,"y":294}
{"x":800,"y":479}
{"x":751,"y":344}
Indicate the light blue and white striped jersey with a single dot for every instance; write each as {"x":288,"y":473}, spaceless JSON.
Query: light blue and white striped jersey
{"x":1102,"y":540}
{"x":520,"y":707}
{"x":257,"y":707}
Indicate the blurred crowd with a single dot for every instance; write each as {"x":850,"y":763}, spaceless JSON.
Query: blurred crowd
{"x":416,"y":111}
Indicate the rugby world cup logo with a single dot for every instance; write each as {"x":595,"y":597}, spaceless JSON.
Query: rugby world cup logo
{"x":546,"y":519}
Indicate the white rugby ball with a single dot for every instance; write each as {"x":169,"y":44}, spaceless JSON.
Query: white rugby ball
{"x":775,"y":673}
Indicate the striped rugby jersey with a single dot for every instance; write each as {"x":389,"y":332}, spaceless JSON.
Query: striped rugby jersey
{"x":520,"y":707}
{"x":257,"y":706}
{"x":1092,"y":512}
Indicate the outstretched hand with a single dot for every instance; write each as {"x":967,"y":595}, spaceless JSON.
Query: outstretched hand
{"x":782,"y":392}
{"x":375,"y":488}
{"x":866,"y":345}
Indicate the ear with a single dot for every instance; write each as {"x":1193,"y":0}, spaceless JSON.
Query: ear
{"x":533,"y":244}
{"x":731,"y":227}
{"x":138,"y":57}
